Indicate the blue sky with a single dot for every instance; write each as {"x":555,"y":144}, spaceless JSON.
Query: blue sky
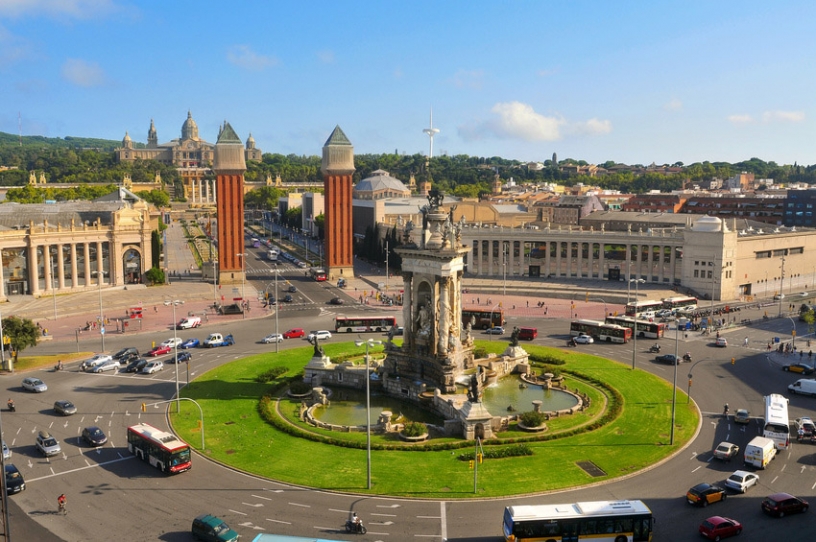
{"x":633,"y":82}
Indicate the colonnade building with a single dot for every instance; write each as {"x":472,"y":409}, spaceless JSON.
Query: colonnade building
{"x":73,"y":247}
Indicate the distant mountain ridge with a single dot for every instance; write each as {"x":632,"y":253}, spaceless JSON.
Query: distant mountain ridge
{"x":69,"y":142}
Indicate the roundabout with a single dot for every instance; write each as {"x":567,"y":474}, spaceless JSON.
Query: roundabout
{"x":252,"y":426}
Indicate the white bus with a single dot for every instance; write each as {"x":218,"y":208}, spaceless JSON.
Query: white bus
{"x":588,"y":521}
{"x":272,"y":255}
{"x":777,"y":424}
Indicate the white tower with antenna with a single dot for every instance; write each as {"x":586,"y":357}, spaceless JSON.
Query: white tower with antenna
{"x":431,"y":131}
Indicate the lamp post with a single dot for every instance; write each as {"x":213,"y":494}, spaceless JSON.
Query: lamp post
{"x":243,"y":256}
{"x":674,"y":382}
{"x":53,"y":289}
{"x":504,"y":267}
{"x":491,"y":319}
{"x":634,"y":347}
{"x":781,"y":286}
{"x":101,"y":314}
{"x":386,"y":268}
{"x":369,"y":343}
{"x":175,"y":302}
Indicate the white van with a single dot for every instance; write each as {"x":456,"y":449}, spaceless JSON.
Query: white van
{"x":759,"y":452}
{"x":189,"y":322}
{"x":805,"y":386}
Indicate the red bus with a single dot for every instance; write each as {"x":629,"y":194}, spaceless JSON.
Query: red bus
{"x":638,"y":307}
{"x":319,"y":275}
{"x":161,"y":449}
{"x":483,"y":318}
{"x":680,"y":302}
{"x":601,"y":331}
{"x":364,"y":324}
{"x":645,"y":328}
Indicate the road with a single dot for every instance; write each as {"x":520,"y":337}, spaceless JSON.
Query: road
{"x":110,"y":492}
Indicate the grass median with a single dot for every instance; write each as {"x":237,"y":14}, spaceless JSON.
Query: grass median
{"x":237,"y":435}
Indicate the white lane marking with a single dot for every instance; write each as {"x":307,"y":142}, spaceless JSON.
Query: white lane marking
{"x":384,"y":515}
{"x":301,"y":505}
{"x":443,"y":523}
{"x":698,"y":468}
{"x":775,"y":479}
{"x":237,"y":512}
{"x":256,"y":505}
{"x":264,"y":498}
{"x":279,"y":521}
{"x":388,"y":506}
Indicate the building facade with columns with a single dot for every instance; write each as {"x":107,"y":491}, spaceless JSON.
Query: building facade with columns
{"x":72,"y":247}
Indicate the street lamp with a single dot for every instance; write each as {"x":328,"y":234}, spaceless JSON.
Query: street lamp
{"x":491,"y":319}
{"x":504,"y":266}
{"x":175,"y":302}
{"x":101,"y":314}
{"x":674,"y":382}
{"x":634,"y":347}
{"x":53,"y":289}
{"x":243,"y":256}
{"x":781,"y":287}
{"x":369,"y":343}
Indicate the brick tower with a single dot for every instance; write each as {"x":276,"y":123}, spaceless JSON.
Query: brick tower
{"x":229,"y":166}
{"x":337,"y":168}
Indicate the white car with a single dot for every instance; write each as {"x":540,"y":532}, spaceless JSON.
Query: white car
{"x":321,"y":335}
{"x":172,"y":342}
{"x":90,"y":363}
{"x":583,"y":339}
{"x":34,"y":384}
{"x":109,"y":365}
{"x":741,"y":480}
{"x":273,"y":338}
{"x":152,"y":367}
{"x":664,"y":313}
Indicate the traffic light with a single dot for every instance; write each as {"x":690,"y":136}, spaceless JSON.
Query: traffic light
{"x":144,"y":407}
{"x":733,"y":361}
{"x":480,"y":458}
{"x":689,"y":382}
{"x":470,"y":464}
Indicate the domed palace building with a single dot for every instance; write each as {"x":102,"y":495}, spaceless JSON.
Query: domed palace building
{"x":190,"y":154}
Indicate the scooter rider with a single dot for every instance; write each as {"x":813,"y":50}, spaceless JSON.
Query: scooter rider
{"x":10,"y":404}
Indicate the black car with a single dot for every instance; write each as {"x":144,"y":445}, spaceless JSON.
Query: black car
{"x":135,"y":366}
{"x":14,"y":480}
{"x":336,"y":301}
{"x":182,"y":357}
{"x":126,"y":352}
{"x":94,"y":436}
{"x":127,"y":358}
{"x":66,"y":408}
{"x":288,"y":298}
{"x":671,"y":359}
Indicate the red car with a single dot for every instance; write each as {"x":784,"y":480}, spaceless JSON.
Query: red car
{"x":159,"y":350}
{"x":782,"y":504}
{"x":294,"y":333}
{"x":717,"y":527}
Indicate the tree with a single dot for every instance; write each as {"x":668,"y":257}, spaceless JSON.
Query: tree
{"x":21,"y":333}
{"x":159,"y":198}
{"x":155,"y":275}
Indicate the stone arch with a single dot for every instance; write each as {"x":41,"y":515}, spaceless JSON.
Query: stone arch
{"x":132,"y":265}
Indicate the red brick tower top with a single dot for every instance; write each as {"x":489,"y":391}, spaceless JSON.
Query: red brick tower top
{"x":338,"y":168}
{"x":229,"y":166}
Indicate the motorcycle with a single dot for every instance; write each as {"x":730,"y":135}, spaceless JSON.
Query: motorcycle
{"x":687,"y":357}
{"x":654,"y":349}
{"x":352,"y":527}
{"x":59,"y":366}
{"x":11,"y":407}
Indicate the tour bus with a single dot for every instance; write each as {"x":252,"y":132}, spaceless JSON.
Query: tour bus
{"x":638,"y":307}
{"x":645,"y":328}
{"x":272,"y":255}
{"x":777,"y":424}
{"x":587,"y":521}
{"x":680,"y":302}
{"x":318,"y":274}
{"x":161,"y":449}
{"x":601,"y":331}
{"x":483,"y":318}
{"x":363,"y":324}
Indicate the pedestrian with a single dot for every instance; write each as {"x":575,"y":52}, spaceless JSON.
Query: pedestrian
{"x":528,"y":304}
{"x":545,"y":310}
{"x":745,"y":342}
{"x":478,"y":301}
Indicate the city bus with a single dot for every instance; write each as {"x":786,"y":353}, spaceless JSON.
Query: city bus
{"x":256,"y":243}
{"x":363,"y":324}
{"x":587,"y":521}
{"x":638,"y":307}
{"x":272,"y":255}
{"x":318,"y":274}
{"x":161,"y":449}
{"x":681,"y":302}
{"x":777,"y":424}
{"x":601,"y":331}
{"x":645,"y":328}
{"x":483,"y":318}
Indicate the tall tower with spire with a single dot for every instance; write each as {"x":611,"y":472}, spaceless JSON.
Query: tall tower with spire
{"x":431,"y":131}
{"x":338,"y":168}
{"x":152,"y":137}
{"x":229,"y":167}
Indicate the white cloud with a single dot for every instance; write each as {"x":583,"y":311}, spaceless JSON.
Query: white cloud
{"x":472,"y":79}
{"x":83,"y":73}
{"x":243,"y":56}
{"x":783,"y":116}
{"x":592,"y":127}
{"x":673,"y":105}
{"x":78,"y":9}
{"x":326,"y":56}
{"x":740,"y":119}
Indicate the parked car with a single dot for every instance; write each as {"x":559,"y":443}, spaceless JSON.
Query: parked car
{"x":90,"y":363}
{"x":135,"y":366}
{"x":583,"y":339}
{"x":172,"y":342}
{"x":495,"y":330}
{"x":66,"y":408}
{"x":47,"y":444}
{"x":671,"y":359}
{"x":152,"y":367}
{"x":190,"y":343}
{"x":272,"y":338}
{"x":336,"y":301}
{"x":15,"y":482}
{"x":664,"y":313}
{"x":721,"y":342}
{"x":321,"y":335}
{"x":182,"y":357}
{"x":705,"y":494}
{"x":212,"y":529}
{"x":718,"y":527}
{"x":742,"y":416}
{"x":741,"y":480}
{"x":31,"y":383}
{"x":127,"y":358}
{"x":159,"y":350}
{"x":125,"y":352}
{"x":94,"y":436}
{"x":726,"y":451}
{"x":294,"y":333}
{"x":110,"y":365}
{"x":782,"y":504}
{"x":798,"y":368}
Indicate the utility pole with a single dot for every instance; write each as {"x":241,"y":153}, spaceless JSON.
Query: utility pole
{"x":386,"y":268}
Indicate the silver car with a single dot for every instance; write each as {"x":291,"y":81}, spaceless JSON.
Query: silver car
{"x":34,"y":384}
{"x":47,"y":444}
